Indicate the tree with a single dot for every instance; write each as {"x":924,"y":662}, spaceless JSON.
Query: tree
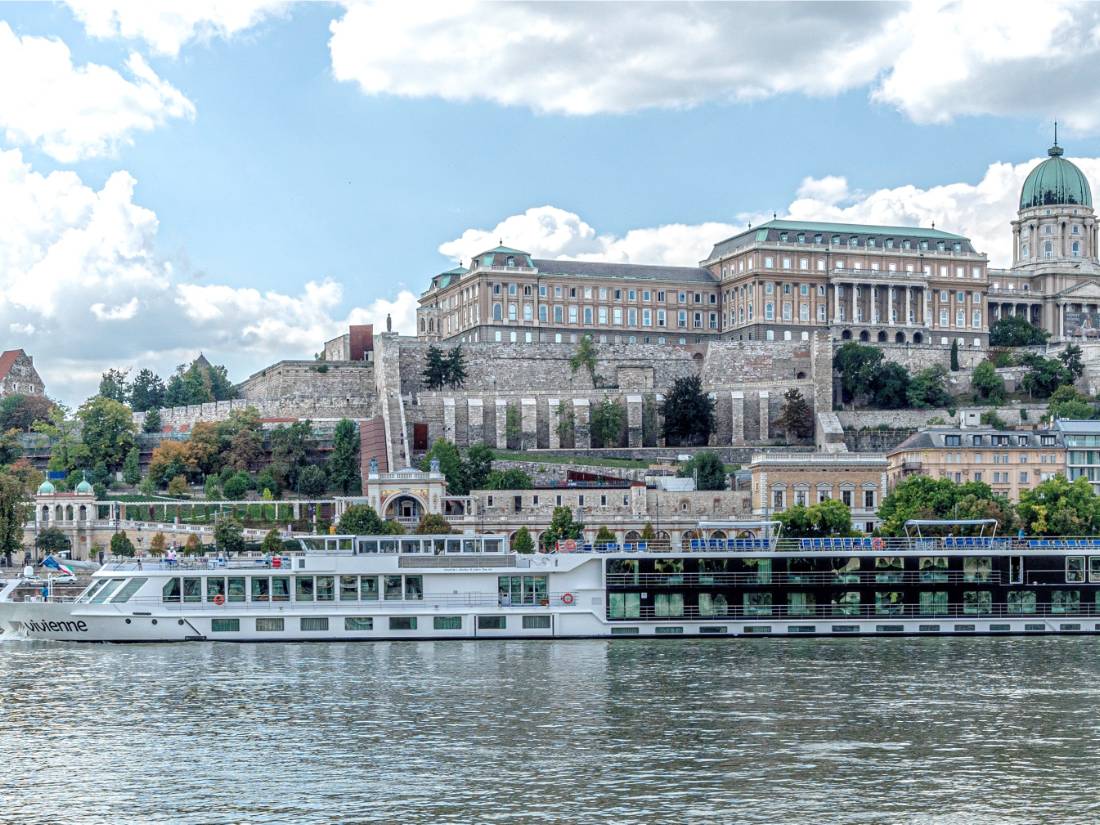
{"x":343,"y":461}
{"x":954,"y":355}
{"x":107,"y":431}
{"x":433,"y":524}
{"x":935,"y":498}
{"x":22,"y":412}
{"x":1058,"y":507}
{"x":857,"y":365}
{"x":147,"y":391}
{"x":199,"y":383}
{"x":989,"y":387}
{"x":1016,"y":331}
{"x":157,"y":545}
{"x":522,"y":541}
{"x":242,"y":438}
{"x":312,"y":481}
{"x":359,"y":520}
{"x":237,"y":487}
{"x":192,"y":547}
{"x":267,"y":483}
{"x":688,"y":413}
{"x":1072,"y":361}
{"x":204,"y":449}
{"x":10,"y":451}
{"x":566,"y":425}
{"x":152,"y":422}
{"x":1044,"y":375}
{"x":708,"y":470}
{"x":456,"y":367}
{"x":513,"y":427}
{"x":272,"y":545}
{"x":121,"y":545}
{"x":604,"y":537}
{"x":450,"y":464}
{"x":648,"y":533}
{"x":928,"y":388}
{"x":12,"y":515}
{"x":228,"y":536}
{"x":1066,"y":402}
{"x":67,"y":451}
{"x":169,"y":459}
{"x":510,"y":479}
{"x":289,"y":451}
{"x":890,"y":387}
{"x":114,"y":385}
{"x":606,"y":423}
{"x":562,"y":528}
{"x":435,"y":371}
{"x":131,"y":467}
{"x":177,"y":486}
{"x":991,"y":419}
{"x":796,"y":418}
{"x":52,"y":540}
{"x":821,"y":520}
{"x":585,"y":356}
{"x":477,"y":466}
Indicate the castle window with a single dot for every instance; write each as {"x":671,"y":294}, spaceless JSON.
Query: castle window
{"x":511,"y":261}
{"x":1076,"y":229}
{"x":1076,"y":249}
{"x":1048,"y":249}
{"x":497,"y":312}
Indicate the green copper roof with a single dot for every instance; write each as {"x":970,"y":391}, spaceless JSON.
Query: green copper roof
{"x":1055,"y":182}
{"x":865,"y":229}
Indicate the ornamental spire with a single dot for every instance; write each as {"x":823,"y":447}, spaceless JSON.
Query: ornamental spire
{"x":1055,"y":150}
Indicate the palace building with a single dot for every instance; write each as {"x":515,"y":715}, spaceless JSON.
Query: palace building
{"x":784,"y":280}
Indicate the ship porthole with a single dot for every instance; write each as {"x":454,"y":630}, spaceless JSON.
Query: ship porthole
{"x":179,"y":622}
{"x":127,"y":621}
{"x":154,"y":621}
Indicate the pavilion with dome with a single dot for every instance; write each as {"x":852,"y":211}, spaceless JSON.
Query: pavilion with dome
{"x":1054,"y":280}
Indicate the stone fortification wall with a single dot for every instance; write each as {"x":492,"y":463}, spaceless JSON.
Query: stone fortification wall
{"x":293,"y":381}
{"x":918,"y":356}
{"x":179,"y":419}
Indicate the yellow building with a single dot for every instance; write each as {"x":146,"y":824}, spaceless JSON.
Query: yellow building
{"x":1008,"y":461}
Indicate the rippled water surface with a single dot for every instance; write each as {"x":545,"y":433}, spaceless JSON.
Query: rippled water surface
{"x":973,"y":730}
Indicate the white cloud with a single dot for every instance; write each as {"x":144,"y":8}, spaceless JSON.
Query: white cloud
{"x":83,"y":288}
{"x":74,"y":112}
{"x":981,"y":211}
{"x":167,"y":26}
{"x":934,"y":60}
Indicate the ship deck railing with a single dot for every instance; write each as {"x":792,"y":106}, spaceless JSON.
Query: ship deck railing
{"x":952,"y":610}
{"x":488,"y":600}
{"x":814,"y":577}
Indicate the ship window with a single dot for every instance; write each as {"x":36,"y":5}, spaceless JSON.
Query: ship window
{"x":261,"y":589}
{"x":1075,"y":569}
{"x":215,"y":586}
{"x":672,"y":631}
{"x":625,"y":631}
{"x":169,"y":593}
{"x":447,"y":623}
{"x":712,"y":604}
{"x":280,"y":588}
{"x":129,"y":589}
{"x":1065,"y":601}
{"x":414,"y":587}
{"x":368,"y":588}
{"x":801,"y":604}
{"x":192,"y":589}
{"x":848,"y":573}
{"x":402,"y":622}
{"x":977,"y":602}
{"x":393,"y":588}
{"x":933,"y":603}
{"x":763,"y":568}
{"x":349,"y":588}
{"x":889,"y":568}
{"x":313,"y":623}
{"x":303,"y":588}
{"x":1021,"y":601}
{"x":977,"y":568}
{"x":225,"y":625}
{"x":668,"y":604}
{"x":536,"y":622}
{"x":269,"y":625}
{"x":358,"y":623}
{"x":236,"y":590}
{"x":492,"y":622}
{"x":933,"y":568}
{"x":325,"y":588}
{"x":1094,"y":569}
{"x":624,"y":605}
{"x":888,"y":603}
{"x":758,"y":604}
{"x":847,"y":603}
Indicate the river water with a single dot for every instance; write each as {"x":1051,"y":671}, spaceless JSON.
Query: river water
{"x":934,"y":730}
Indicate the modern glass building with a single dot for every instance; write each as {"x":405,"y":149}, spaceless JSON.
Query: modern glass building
{"x":1082,"y":449}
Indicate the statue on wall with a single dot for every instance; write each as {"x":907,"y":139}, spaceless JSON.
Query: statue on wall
{"x":373,"y":466}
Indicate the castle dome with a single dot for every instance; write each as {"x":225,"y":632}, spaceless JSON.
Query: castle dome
{"x":1055,"y":182}
{"x":46,"y":488}
{"x":84,"y":488}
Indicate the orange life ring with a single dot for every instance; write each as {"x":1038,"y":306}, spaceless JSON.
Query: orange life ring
{"x":567,"y":598}
{"x":219,"y":600}
{"x":877,"y":543}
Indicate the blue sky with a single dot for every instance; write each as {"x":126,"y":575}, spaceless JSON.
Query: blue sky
{"x":277,"y":157}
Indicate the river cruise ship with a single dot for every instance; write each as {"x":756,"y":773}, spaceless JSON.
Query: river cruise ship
{"x":467,"y":586}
